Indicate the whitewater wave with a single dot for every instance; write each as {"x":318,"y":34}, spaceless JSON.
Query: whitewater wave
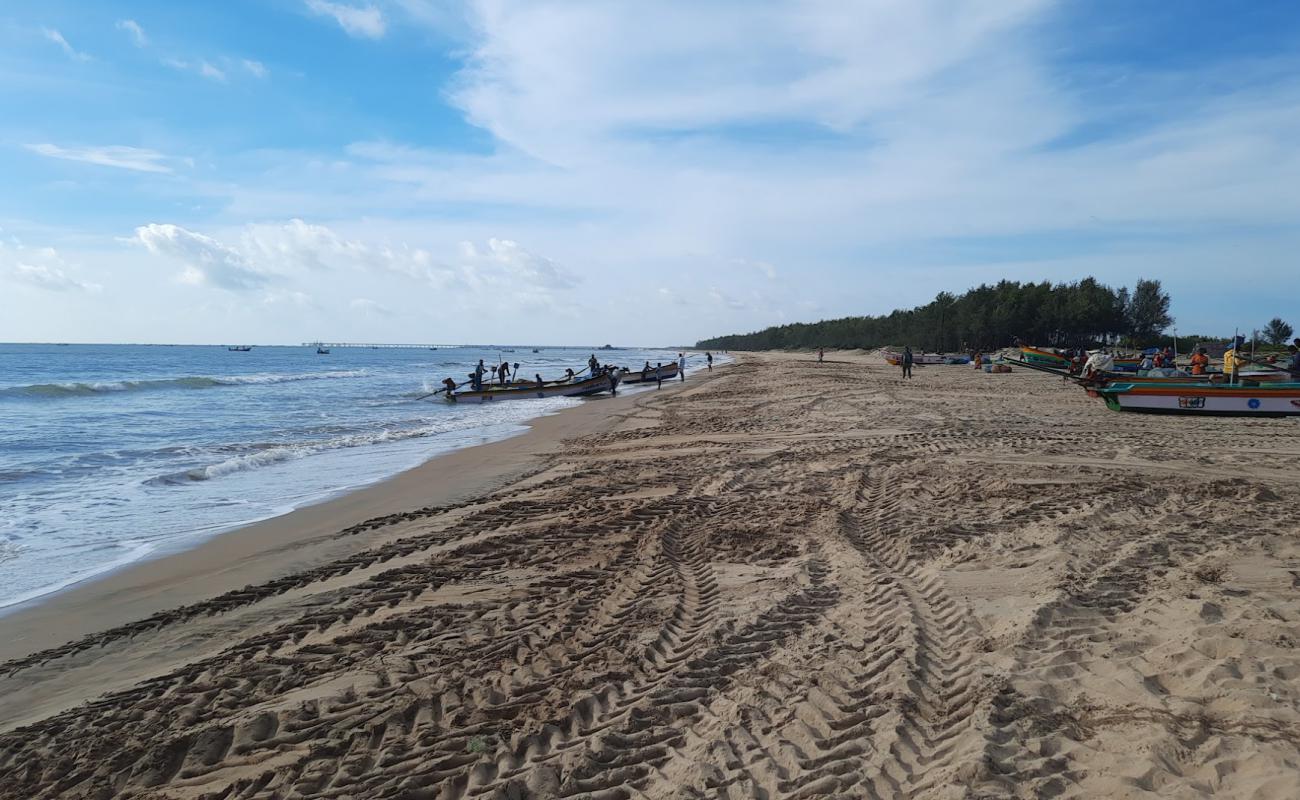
{"x":267,"y":455}
{"x":91,"y":388}
{"x":257,"y":456}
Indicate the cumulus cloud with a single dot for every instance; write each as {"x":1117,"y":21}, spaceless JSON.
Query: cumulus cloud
{"x":134,"y":30}
{"x":360,"y":21}
{"x":516,"y":264}
{"x":138,"y":159}
{"x":205,"y":260}
{"x":40,"y":267}
{"x":57,"y":38}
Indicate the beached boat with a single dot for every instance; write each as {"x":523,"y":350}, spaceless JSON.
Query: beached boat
{"x":529,"y":390}
{"x":1266,"y":400}
{"x":666,"y":372}
{"x":1051,"y":358}
{"x":895,"y":358}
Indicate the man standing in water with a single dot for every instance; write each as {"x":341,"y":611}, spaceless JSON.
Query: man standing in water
{"x":709,"y":356}
{"x":681,"y":366}
{"x":906,"y":361}
{"x":478,"y":375}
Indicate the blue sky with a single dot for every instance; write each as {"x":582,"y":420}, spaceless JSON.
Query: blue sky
{"x":286,"y":170}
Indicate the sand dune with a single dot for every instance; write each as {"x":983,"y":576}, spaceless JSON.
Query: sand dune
{"x":791,"y":580}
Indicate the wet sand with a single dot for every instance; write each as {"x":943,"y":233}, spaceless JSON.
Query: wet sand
{"x":791,"y":580}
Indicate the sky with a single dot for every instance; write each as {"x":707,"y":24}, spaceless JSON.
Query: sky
{"x":581,"y":172}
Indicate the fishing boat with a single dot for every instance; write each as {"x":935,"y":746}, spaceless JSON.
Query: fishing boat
{"x":1236,"y":400}
{"x":529,"y":390}
{"x":666,"y":372}
{"x":1051,"y":358}
{"x":896,"y":358}
{"x":240,"y":348}
{"x":322,"y":351}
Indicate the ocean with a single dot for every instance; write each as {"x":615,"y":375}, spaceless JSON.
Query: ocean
{"x":114,"y":453}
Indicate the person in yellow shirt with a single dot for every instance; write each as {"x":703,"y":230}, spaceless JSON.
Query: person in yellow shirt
{"x":1232,"y":361}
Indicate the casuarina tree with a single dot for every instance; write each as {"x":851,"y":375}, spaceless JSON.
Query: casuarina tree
{"x":1277,"y":331}
{"x":1148,"y":311}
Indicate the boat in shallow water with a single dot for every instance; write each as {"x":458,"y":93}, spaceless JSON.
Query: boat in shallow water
{"x":1237,"y":400}
{"x":666,"y":372}
{"x":530,"y":390}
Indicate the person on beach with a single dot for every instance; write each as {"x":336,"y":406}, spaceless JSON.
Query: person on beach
{"x":1146,"y":364}
{"x":1200,"y":362}
{"x":681,"y":366}
{"x":615,"y":375}
{"x":479,"y":371}
{"x":709,"y":356}
{"x":906,"y":361}
{"x":1232,"y":359}
{"x":659,"y":375}
{"x":821,"y":355}
{"x":645,"y":371}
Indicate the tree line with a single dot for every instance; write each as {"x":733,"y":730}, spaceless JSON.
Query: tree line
{"x":1080,"y":314}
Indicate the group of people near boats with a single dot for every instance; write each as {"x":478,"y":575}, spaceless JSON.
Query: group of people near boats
{"x":504,"y":376}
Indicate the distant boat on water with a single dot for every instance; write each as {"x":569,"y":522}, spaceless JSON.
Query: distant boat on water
{"x":322,"y":351}
{"x":240,"y":348}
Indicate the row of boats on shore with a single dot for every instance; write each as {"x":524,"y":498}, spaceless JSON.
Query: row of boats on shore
{"x":605,"y":379}
{"x":1259,"y":390}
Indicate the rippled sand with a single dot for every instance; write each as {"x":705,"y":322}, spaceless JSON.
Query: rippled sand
{"x":791,"y":580}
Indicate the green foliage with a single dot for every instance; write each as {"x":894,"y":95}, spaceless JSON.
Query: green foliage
{"x":1147,"y":313}
{"x":1277,"y":331}
{"x":984,"y":318}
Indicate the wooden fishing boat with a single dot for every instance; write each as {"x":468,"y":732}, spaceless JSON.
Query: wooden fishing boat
{"x":1269,"y":400}
{"x":529,"y":390}
{"x":895,"y":358}
{"x":666,"y":372}
{"x":242,"y":348}
{"x":1050,"y":358}
{"x":1046,"y":358}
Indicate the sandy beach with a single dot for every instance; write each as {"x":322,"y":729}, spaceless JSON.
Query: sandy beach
{"x":781,"y":579}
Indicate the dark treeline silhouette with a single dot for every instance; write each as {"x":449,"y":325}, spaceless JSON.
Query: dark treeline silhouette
{"x":986,"y":317}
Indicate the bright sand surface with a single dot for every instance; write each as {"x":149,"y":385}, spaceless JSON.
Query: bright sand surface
{"x":791,"y":580}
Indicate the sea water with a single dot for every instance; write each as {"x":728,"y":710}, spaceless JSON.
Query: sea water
{"x":114,"y":453}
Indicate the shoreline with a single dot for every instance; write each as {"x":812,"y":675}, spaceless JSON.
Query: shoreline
{"x":302,"y":538}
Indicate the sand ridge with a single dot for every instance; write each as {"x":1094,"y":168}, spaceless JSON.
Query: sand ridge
{"x":792,"y":580}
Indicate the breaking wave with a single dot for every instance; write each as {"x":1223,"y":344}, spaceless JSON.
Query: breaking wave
{"x":91,"y":388}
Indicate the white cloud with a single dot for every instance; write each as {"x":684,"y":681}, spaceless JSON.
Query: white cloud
{"x":256,"y":68}
{"x":362,"y":22}
{"x":133,"y":158}
{"x":200,"y":67}
{"x":42,"y":268}
{"x":57,"y":38}
{"x":134,"y":30}
{"x":516,"y":264}
{"x":206,"y":261}
{"x":211,"y":73}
